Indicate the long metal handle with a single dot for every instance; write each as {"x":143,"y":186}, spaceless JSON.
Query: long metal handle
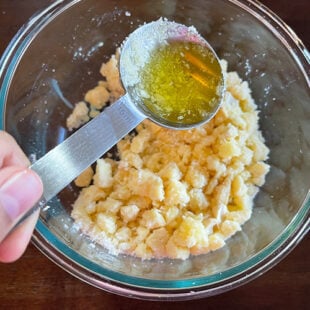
{"x":69,"y":159}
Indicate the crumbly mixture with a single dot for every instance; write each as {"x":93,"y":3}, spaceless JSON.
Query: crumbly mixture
{"x":172,"y":193}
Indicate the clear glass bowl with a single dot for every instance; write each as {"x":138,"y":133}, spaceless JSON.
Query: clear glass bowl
{"x":65,"y":44}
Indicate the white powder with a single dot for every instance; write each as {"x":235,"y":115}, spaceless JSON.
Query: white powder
{"x":139,"y":45}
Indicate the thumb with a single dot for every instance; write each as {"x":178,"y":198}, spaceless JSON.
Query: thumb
{"x":18,"y":194}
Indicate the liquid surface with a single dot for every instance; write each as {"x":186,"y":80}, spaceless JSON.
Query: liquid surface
{"x":181,"y":83}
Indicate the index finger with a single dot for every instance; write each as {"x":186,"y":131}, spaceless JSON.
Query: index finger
{"x":10,"y":152}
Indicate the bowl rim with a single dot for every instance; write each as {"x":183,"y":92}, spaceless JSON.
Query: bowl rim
{"x":137,"y":287}
{"x":184,"y":289}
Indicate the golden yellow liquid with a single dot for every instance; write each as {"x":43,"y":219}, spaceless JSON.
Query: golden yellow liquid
{"x":182,"y":82}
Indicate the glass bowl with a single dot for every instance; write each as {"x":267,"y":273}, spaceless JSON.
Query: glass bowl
{"x":63,"y":46}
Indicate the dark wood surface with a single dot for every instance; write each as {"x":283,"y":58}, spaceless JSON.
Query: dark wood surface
{"x":34,"y":282}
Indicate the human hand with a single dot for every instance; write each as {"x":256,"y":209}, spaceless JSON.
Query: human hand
{"x":20,"y":189}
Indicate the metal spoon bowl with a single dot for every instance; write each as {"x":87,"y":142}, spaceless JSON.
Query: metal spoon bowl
{"x":135,"y":53}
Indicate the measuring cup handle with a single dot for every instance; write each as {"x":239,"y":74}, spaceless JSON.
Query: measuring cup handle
{"x":70,"y":158}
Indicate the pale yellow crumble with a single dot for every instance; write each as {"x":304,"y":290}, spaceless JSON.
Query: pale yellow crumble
{"x":174,"y":193}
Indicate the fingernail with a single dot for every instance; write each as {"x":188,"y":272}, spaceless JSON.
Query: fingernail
{"x":20,"y":193}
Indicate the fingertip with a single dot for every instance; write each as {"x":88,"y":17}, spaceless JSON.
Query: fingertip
{"x":38,"y":189}
{"x":20,"y":192}
{"x":14,"y":246}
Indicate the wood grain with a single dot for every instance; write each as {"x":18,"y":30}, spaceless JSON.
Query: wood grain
{"x":34,"y":282}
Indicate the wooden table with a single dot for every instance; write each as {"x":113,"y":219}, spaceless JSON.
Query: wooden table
{"x":34,"y":282}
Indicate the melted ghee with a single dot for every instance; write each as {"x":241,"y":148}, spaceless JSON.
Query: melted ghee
{"x":181,"y":82}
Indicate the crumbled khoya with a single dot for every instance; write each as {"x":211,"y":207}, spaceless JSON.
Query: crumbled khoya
{"x":172,"y":193}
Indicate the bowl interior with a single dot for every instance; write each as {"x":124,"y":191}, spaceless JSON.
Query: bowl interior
{"x":55,"y":57}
